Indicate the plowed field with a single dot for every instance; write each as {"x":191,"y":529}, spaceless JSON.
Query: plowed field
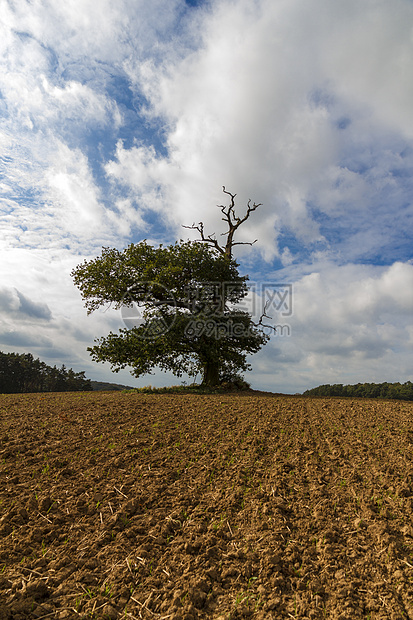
{"x":125,"y":505}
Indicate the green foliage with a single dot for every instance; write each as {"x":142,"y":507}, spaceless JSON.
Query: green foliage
{"x":401,"y":391}
{"x":181,"y":269}
{"x":187,"y":291}
{"x":22,"y":373}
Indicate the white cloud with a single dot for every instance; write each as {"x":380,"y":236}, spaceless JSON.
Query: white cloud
{"x":274,"y":103}
{"x":60,"y":63}
{"x":236,"y":116}
{"x":370,"y":58}
{"x":354,"y":295}
{"x":73,"y":193}
{"x":18,"y":306}
{"x":254,"y":106}
{"x":76,"y":101}
{"x":349,"y":324}
{"x":80,"y":30}
{"x":51,"y":323}
{"x":304,"y":107}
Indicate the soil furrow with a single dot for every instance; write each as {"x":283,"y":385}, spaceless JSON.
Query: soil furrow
{"x":125,"y":505}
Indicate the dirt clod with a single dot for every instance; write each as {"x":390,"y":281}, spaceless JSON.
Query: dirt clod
{"x":191,"y":507}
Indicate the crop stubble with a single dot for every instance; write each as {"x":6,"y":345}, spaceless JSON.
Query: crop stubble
{"x":125,"y":505}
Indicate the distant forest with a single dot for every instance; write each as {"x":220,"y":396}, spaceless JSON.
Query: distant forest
{"x":23,"y":373}
{"x":401,"y":391}
{"x":103,"y":386}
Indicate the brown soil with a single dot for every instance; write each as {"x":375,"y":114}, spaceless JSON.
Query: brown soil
{"x":119,"y":505}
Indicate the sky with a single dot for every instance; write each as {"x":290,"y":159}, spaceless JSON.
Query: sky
{"x":121,"y":121}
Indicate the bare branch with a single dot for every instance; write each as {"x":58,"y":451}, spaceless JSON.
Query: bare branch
{"x":244,"y":242}
{"x":210,"y":239}
{"x":265,"y":315}
{"x":233,"y":221}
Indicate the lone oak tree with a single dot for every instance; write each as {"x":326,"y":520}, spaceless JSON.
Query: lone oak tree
{"x":184,"y":297}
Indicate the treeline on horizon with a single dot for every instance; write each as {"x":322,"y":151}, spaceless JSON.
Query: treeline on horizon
{"x":400,"y":391}
{"x":21,"y":372}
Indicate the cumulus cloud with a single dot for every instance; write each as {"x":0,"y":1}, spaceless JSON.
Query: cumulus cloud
{"x":124,"y":121}
{"x":282,"y":102}
{"x":349,"y":324}
{"x":58,"y":331}
{"x":351,"y":295}
{"x":62,"y":70}
{"x":73,"y":193}
{"x":17,"y":305}
{"x":289,"y":104}
{"x":25,"y":340}
{"x":374,"y":68}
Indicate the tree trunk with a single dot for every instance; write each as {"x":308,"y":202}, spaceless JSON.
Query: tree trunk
{"x":211,"y":374}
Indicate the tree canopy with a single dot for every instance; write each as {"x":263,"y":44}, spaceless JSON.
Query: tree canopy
{"x":178,"y":303}
{"x":401,"y":391}
{"x":21,"y":372}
